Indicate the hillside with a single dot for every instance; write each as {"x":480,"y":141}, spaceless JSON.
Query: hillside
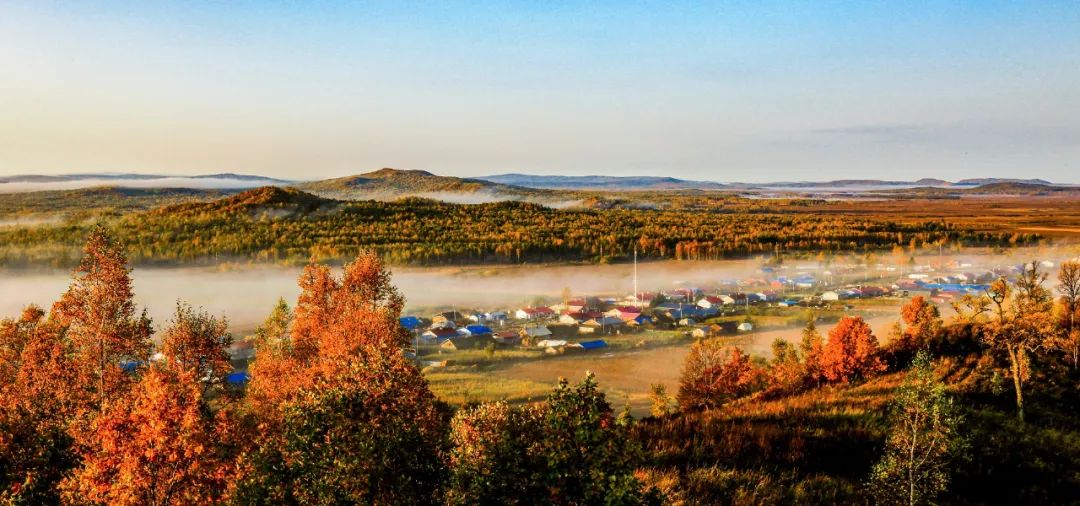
{"x":391,"y":184}
{"x":258,"y":200}
{"x":85,"y":202}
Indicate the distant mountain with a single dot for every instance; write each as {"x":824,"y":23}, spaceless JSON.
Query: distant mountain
{"x":994,"y":180}
{"x":609,"y":183}
{"x":33,"y":182}
{"x":391,"y":184}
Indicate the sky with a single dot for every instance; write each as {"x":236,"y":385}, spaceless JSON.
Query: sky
{"x":726,"y":91}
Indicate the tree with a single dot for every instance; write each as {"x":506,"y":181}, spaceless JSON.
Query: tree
{"x":589,"y":453}
{"x":813,"y":350}
{"x":1069,"y":286}
{"x":712,"y":376}
{"x":37,"y":403}
{"x":851,"y":353}
{"x":343,"y":416}
{"x":98,"y":313}
{"x":1022,"y":323}
{"x":661,"y":401}
{"x":923,"y":440}
{"x":198,"y":343}
{"x":494,"y":457}
{"x":923,"y":322}
{"x":786,"y":371}
{"x":157,"y":446}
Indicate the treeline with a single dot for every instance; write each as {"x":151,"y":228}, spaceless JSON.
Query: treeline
{"x":285,"y":225}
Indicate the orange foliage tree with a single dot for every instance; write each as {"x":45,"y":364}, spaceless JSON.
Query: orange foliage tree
{"x":851,"y":352}
{"x":198,"y":343}
{"x":341,"y":414}
{"x":813,"y":348}
{"x":158,"y":445}
{"x":712,"y":376}
{"x":922,"y":320}
{"x":36,"y":403}
{"x":99,"y":318}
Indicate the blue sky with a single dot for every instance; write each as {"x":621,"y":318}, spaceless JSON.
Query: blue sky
{"x":727,"y":91}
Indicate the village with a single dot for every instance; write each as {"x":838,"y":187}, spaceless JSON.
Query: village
{"x":774,"y":297}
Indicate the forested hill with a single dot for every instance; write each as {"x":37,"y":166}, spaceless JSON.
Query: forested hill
{"x":389,"y":184}
{"x":289,"y":225}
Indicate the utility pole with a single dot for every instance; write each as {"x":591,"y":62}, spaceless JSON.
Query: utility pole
{"x":637,"y":295}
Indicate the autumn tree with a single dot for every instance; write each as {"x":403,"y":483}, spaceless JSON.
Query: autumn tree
{"x":812,"y":347}
{"x":713,"y":376}
{"x":1022,"y":323}
{"x":924,"y":439}
{"x":922,"y":321}
{"x":99,"y":318}
{"x":198,"y":343}
{"x":494,"y":457}
{"x":36,"y":406}
{"x":158,"y":445}
{"x":851,"y":353}
{"x":1069,"y":287}
{"x":786,"y":373}
{"x":342,"y":415}
{"x":661,"y":400}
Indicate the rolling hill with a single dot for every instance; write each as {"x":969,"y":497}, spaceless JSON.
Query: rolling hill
{"x":392,"y":184}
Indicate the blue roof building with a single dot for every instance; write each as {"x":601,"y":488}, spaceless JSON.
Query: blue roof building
{"x":478,"y":330}
{"x":410,"y":322}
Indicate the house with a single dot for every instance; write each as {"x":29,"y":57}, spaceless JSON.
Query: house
{"x":507,"y":338}
{"x":569,"y":318}
{"x":715,"y":301}
{"x":624,"y":312}
{"x":534,"y":313}
{"x":746,"y":327}
{"x":438,"y":334}
{"x":410,"y":322}
{"x":477,"y":330}
{"x":640,"y":320}
{"x":608,"y":323}
{"x":442,"y":323}
{"x":463,"y":343}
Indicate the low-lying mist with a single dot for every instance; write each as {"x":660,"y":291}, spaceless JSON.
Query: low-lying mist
{"x":245,"y":294}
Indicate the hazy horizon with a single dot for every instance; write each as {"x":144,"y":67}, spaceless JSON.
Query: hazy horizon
{"x":757,"y":92}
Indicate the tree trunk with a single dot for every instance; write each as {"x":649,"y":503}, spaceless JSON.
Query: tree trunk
{"x":1014,"y":358}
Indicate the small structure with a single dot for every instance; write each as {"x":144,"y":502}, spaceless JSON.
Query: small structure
{"x":462,"y":343}
{"x":438,"y":334}
{"x":534,"y":313}
{"x":507,"y":338}
{"x":589,"y":345}
{"x":410,"y":322}
{"x":477,"y":330}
